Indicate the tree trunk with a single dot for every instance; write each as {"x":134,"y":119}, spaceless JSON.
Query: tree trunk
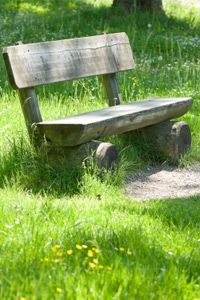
{"x":141,"y":4}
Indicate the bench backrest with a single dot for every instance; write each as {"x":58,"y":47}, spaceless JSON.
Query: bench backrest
{"x":30,"y":65}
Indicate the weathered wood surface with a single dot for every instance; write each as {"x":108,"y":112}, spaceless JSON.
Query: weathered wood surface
{"x":104,"y":154}
{"x":30,"y":65}
{"x":111,"y":89}
{"x":31,"y":111}
{"x":169,"y":139}
{"x":82,"y":128}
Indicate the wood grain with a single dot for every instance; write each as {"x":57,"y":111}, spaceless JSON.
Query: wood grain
{"x":30,"y":65}
{"x":82,"y":128}
{"x":31,"y":111}
{"x":111,"y":89}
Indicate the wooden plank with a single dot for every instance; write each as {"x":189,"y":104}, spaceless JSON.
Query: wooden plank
{"x":30,"y":65}
{"x":82,"y":128}
{"x":112,"y":90}
{"x":31,"y":111}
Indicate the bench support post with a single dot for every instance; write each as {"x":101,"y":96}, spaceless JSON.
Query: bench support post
{"x":104,"y":154}
{"x":111,"y":88}
{"x":170,"y":139}
{"x":31,"y":111}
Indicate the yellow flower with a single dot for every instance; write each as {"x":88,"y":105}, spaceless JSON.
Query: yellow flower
{"x":92,"y":265}
{"x":109,"y":268}
{"x":100,"y":267}
{"x":46,"y":259}
{"x":95,"y":261}
{"x":58,"y":290}
{"x":22,"y":298}
{"x":90,"y":253}
{"x":59,"y":254}
{"x":121,"y":249}
{"x":54,"y":249}
{"x":57,"y":246}
{"x":84,"y":246}
{"x":69,"y":252}
{"x":129,"y":252}
{"x":96,"y":250}
{"x":79,"y":247}
{"x":57,"y":260}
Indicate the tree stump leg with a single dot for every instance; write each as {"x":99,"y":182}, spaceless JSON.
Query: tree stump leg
{"x":104,"y":154}
{"x":170,"y":138}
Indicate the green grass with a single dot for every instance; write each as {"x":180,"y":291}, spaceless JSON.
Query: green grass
{"x":44,"y":203}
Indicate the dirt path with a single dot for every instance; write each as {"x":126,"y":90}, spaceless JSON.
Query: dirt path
{"x":164,"y":182}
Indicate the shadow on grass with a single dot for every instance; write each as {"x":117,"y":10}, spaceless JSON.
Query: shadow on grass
{"x":57,"y":175}
{"x":178,"y":213}
{"x":23,"y":166}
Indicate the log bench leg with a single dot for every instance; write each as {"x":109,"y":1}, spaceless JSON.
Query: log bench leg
{"x":105,"y":154}
{"x":170,"y":138}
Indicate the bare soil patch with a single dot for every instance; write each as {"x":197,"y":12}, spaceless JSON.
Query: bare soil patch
{"x":161,"y":182}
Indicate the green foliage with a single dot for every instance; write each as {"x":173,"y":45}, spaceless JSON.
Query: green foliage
{"x":148,"y":250}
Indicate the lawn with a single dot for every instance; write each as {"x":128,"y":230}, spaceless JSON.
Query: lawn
{"x":73,"y":233}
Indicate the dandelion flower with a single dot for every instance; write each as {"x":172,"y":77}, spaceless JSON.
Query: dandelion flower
{"x":121,"y":249}
{"x":79,"y":247}
{"x":59,"y":254}
{"x":92,"y":265}
{"x":54,"y":249}
{"x":22,"y":298}
{"x":84,"y":246}
{"x":46,"y":259}
{"x":129,"y":252}
{"x":96,"y":250}
{"x":58,"y":290}
{"x":95,"y":261}
{"x":57,"y":260}
{"x":109,"y":268}
{"x":90,"y":253}
{"x":57,"y":246}
{"x":69,"y":252}
{"x":100,"y":267}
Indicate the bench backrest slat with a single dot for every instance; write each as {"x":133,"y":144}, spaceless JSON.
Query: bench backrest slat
{"x":35,"y":64}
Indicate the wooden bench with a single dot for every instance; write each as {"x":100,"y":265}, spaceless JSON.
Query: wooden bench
{"x":30,"y":65}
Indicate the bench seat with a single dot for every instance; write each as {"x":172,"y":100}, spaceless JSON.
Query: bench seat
{"x":84,"y":127}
